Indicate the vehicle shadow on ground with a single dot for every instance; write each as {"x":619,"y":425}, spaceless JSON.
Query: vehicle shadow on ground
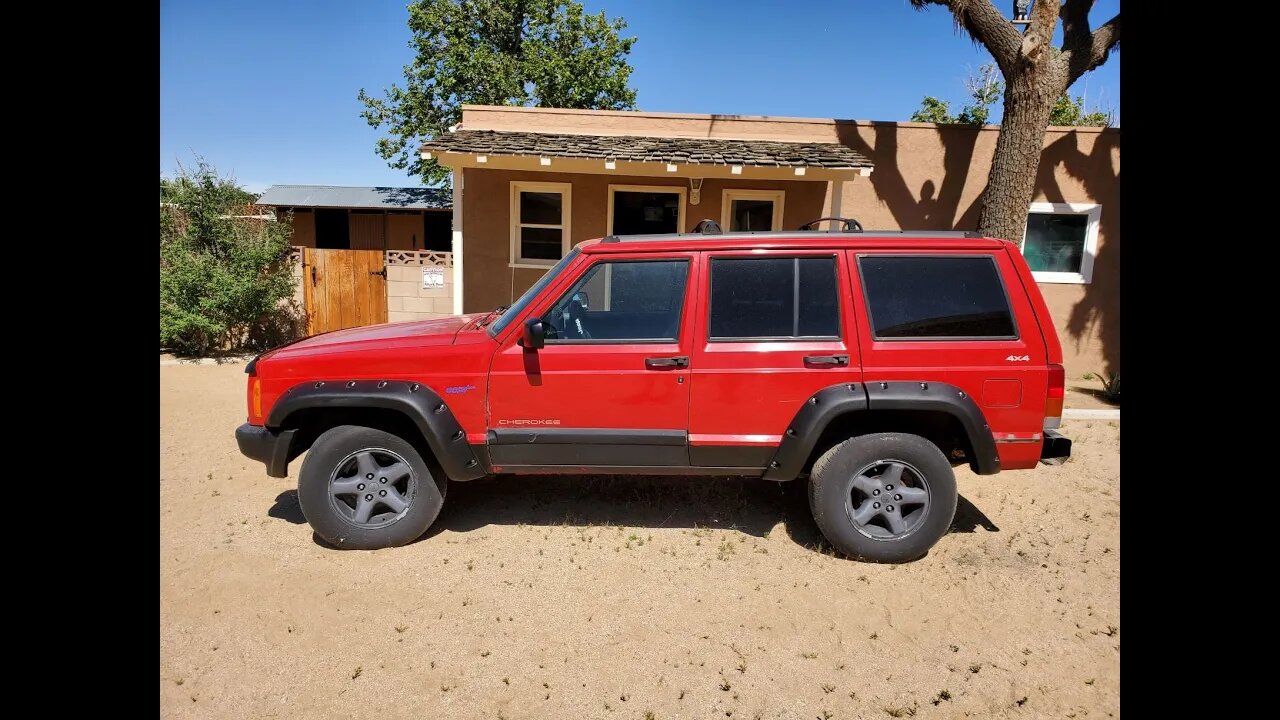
{"x":751,"y":506}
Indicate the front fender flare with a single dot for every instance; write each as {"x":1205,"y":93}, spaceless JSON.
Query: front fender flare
{"x":421,"y":404}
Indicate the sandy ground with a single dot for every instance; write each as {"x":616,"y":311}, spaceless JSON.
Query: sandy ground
{"x":626,"y":598}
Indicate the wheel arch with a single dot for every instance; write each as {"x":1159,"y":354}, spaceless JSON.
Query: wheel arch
{"x":409,"y":409}
{"x":939,"y":412}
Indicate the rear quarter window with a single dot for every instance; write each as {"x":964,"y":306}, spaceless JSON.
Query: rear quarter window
{"x":936,"y":298}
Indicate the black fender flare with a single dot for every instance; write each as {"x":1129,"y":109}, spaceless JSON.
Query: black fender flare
{"x":421,"y":404}
{"x":830,"y":402}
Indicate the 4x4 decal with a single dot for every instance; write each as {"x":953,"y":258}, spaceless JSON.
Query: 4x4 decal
{"x":1018,"y":358}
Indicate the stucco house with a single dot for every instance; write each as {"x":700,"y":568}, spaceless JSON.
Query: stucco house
{"x":529,"y":183}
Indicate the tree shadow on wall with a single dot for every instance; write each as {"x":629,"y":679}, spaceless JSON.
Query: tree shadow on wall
{"x":1097,"y":314}
{"x":933,"y":207}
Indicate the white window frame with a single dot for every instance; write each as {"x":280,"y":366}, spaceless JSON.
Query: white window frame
{"x":1094,"y":213}
{"x":566,"y":213}
{"x":730,"y":194}
{"x":666,"y":189}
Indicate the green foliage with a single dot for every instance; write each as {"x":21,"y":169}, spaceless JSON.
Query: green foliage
{"x":223,"y":279}
{"x":1068,"y":111}
{"x":933,"y":110}
{"x":544,"y":53}
{"x":984,"y":89}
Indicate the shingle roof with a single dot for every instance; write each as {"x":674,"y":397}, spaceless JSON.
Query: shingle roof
{"x":767,"y":153}
{"x":389,"y":198}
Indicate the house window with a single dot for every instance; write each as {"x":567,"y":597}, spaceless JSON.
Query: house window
{"x":774,"y":298}
{"x":539,"y":223}
{"x":645,"y":209}
{"x":1060,"y":241}
{"x":751,"y":210}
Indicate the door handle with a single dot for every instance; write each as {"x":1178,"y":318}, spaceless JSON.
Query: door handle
{"x":838,"y":360}
{"x":654,"y":363}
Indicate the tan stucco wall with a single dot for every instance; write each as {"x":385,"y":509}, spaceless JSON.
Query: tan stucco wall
{"x":926,"y":177}
{"x":489,"y":279}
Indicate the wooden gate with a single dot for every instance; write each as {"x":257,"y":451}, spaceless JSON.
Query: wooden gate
{"x":343,"y":288}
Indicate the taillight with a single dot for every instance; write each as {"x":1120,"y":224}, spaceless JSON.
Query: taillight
{"x":1057,"y":392}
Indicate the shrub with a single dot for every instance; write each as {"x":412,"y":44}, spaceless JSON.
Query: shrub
{"x":226,"y":279}
{"x":1110,"y":385}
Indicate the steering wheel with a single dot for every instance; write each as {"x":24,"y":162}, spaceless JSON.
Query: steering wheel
{"x":848,"y":224}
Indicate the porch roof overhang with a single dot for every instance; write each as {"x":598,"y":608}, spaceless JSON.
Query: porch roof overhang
{"x":650,"y":156}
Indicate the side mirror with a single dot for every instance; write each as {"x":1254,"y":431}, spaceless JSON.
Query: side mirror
{"x":535,"y":335}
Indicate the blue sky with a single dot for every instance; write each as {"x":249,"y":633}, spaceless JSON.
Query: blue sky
{"x":266,"y":90}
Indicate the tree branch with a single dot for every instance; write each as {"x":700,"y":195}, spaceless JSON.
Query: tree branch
{"x":1075,"y":23}
{"x":986,"y":25}
{"x":1090,"y":51}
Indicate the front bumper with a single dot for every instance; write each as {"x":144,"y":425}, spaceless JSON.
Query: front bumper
{"x":268,"y":447}
{"x":1056,"y":448}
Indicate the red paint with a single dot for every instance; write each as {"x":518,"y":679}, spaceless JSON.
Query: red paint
{"x":731,"y":393}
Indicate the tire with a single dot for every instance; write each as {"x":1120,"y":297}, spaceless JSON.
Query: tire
{"x":849,"y":479}
{"x":358,"y":513}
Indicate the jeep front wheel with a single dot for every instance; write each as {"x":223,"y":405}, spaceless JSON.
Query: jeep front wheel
{"x":364,"y":489}
{"x":886,"y":497}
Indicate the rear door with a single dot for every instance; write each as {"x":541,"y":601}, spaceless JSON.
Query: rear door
{"x":772,"y":328}
{"x":959,"y":317}
{"x":611,"y":386}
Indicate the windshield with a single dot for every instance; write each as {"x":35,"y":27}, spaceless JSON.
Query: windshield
{"x":519,"y":305}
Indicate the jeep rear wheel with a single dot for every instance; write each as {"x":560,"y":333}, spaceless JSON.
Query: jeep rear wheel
{"x":364,"y":489}
{"x":886,"y":497}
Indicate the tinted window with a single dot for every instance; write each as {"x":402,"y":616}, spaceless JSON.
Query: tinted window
{"x":622,"y":301}
{"x":935,"y":297}
{"x":1055,"y":243}
{"x":774,"y":298}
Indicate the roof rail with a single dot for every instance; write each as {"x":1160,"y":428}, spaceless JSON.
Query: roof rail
{"x":796,"y":234}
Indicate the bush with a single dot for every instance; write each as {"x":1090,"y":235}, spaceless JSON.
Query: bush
{"x":1110,"y":384}
{"x":226,"y":279}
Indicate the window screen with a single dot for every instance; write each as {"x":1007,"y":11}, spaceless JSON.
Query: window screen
{"x":935,"y":297}
{"x":774,"y":298}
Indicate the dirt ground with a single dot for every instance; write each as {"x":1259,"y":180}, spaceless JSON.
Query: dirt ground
{"x":626,"y":597}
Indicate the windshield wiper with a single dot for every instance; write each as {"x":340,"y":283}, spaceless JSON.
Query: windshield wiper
{"x":501,"y":309}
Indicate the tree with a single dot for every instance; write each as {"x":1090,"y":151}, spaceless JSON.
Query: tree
{"x":1070,"y":111}
{"x":225,"y":276}
{"x":542,"y":53}
{"x":984,"y":87}
{"x":1036,"y":75}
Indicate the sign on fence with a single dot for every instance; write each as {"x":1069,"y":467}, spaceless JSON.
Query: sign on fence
{"x":432,"y":277}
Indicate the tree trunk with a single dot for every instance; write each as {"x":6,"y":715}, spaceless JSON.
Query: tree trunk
{"x":1028,"y":100}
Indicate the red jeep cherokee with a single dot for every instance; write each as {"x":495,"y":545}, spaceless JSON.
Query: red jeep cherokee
{"x":868,"y":363}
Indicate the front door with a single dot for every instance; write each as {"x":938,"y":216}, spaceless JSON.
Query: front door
{"x":343,"y":288}
{"x":610,"y":389}
{"x":774,"y":329}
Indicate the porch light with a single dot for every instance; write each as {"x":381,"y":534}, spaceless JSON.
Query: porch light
{"x":671,"y":167}
{"x":695,"y":191}
{"x":482,"y":158}
{"x":735,"y":169}
{"x":610,"y":165}
{"x":800,"y":171}
{"x":544,"y":161}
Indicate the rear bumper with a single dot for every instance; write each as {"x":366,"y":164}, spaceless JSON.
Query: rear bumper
{"x":1056,"y":448}
{"x":267,"y":447}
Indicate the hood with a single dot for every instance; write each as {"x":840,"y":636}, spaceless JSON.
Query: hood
{"x":416,"y":333}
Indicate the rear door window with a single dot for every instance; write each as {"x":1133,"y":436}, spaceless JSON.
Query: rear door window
{"x":915,"y":297}
{"x":774,"y":298}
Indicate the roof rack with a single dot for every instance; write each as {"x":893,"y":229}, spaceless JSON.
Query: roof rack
{"x":709,"y":229}
{"x":797,"y":233}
